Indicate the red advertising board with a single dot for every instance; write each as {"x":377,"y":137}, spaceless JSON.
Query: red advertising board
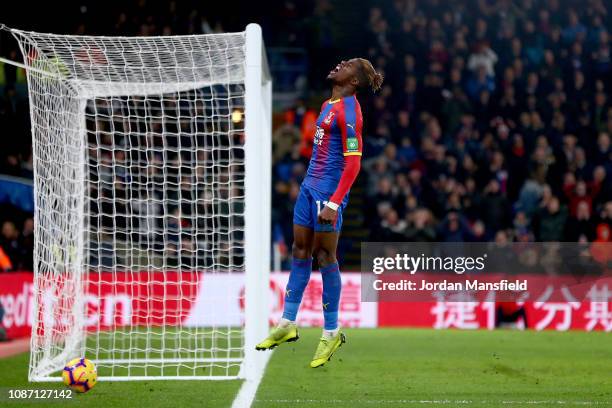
{"x":154,"y":298}
{"x":585,"y":315}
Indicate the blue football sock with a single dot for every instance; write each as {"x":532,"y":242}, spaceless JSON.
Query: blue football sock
{"x":298,"y":279}
{"x":332,"y":286}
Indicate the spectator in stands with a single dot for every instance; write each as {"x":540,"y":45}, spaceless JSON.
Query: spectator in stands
{"x":600,"y":248}
{"x":420,"y":226}
{"x":454,"y":228}
{"x":483,"y":57}
{"x":9,"y":241}
{"x":285,"y":137}
{"x":549,"y":222}
{"x":26,"y":244}
{"x":580,"y":224}
{"x":495,"y":208}
{"x":393,"y":228}
{"x":5,"y":262}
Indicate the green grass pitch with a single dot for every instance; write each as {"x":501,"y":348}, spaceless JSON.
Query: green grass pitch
{"x":389,"y":368}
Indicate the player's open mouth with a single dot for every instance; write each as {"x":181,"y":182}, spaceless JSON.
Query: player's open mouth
{"x":336,"y":69}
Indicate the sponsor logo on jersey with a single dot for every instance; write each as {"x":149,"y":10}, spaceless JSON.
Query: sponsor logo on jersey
{"x":329,"y":118}
{"x":352,"y":144}
{"x":318,"y":136}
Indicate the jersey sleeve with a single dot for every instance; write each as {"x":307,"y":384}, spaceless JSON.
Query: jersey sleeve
{"x":350,"y":123}
{"x":352,"y":164}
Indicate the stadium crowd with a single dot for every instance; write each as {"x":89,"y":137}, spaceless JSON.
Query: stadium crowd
{"x":494,"y":123}
{"x":142,"y":18}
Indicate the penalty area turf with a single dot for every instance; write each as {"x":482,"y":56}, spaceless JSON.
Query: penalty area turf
{"x":388,"y":368}
{"x":420,"y":367}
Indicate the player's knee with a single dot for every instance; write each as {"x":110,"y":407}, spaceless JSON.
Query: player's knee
{"x":300,"y":251}
{"x":324,"y":257}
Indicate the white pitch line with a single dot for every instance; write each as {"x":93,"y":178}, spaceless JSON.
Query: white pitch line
{"x":436,"y":402}
{"x":246,"y":394}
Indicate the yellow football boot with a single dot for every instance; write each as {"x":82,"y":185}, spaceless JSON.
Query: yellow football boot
{"x":326,"y":349}
{"x":279,"y":335}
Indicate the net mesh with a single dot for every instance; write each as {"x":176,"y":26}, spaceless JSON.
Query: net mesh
{"x":139,"y":178}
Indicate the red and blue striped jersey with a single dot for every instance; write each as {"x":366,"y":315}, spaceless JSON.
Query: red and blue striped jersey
{"x":338,"y":134}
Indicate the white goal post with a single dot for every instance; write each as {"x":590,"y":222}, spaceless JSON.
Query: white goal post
{"x":152,"y":175}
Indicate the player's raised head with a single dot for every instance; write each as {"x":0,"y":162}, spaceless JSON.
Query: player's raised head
{"x":357,"y":72}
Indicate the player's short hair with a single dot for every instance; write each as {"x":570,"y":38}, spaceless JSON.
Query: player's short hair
{"x":367,"y":76}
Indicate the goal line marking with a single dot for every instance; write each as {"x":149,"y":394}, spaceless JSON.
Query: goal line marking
{"x":246,"y":394}
{"x":437,"y":402}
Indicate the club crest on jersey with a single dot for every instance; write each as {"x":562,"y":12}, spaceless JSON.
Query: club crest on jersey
{"x":329,"y":118}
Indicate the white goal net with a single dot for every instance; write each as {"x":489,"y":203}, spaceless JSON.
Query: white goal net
{"x":152,"y":190}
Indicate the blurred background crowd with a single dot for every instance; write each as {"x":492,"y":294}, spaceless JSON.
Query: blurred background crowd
{"x":494,"y":122}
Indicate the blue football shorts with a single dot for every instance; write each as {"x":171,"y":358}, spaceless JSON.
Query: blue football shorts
{"x":309,"y":204}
